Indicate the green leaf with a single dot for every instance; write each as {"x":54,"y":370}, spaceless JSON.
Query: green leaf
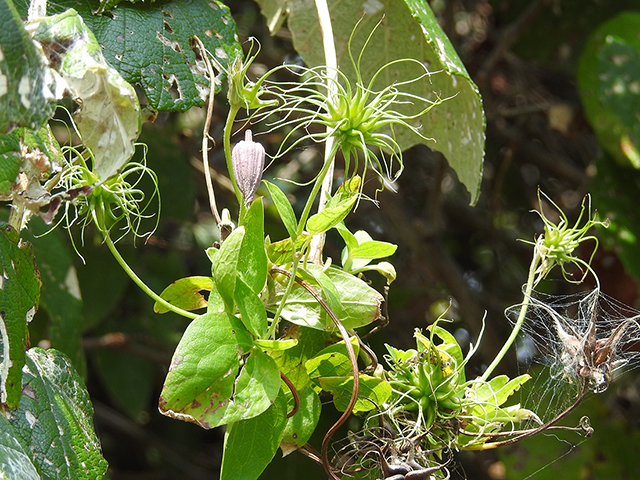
{"x":374,"y":249}
{"x":60,"y":295}
{"x":250,"y":445}
{"x":333,"y":361}
{"x":109,"y":121}
{"x":285,"y":210}
{"x":276,"y":345}
{"x":252,"y":264}
{"x":185,"y":293}
{"x":372,"y":389}
{"x":498,"y":389}
{"x":252,"y":311}
{"x":26,"y":98}
{"x":203,"y":370}
{"x":349,"y":238}
{"x":291,"y":362}
{"x":129,"y":379}
{"x":19,"y":297}
{"x":409,"y":30}
{"x":55,"y":419}
{"x":225,"y":270}
{"x":299,"y":428}
{"x":149,"y":45}
{"x":327,"y":288}
{"x":281,"y":252}
{"x":333,"y":213}
{"x":609,"y":86}
{"x":360,"y":303}
{"x":15,"y":460}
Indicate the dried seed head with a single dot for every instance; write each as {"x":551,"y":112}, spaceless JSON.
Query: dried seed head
{"x":247,"y":159}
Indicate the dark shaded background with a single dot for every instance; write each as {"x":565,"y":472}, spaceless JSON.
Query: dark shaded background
{"x":523,"y":56}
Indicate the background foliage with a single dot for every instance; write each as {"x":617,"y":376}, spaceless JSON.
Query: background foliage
{"x":527,"y":59}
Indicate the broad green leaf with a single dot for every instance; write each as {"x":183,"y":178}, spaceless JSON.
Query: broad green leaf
{"x":109,"y":4}
{"x":129,"y":379}
{"x":225,"y":270}
{"x":26,"y":97}
{"x":109,"y":121}
{"x":373,"y":250}
{"x":285,"y":210}
{"x":609,"y":86}
{"x":15,"y":459}
{"x":498,"y":390}
{"x":408,"y":30}
{"x":300,"y":427}
{"x":252,"y":264}
{"x":612,"y":188}
{"x":149,"y":45}
{"x":371,"y":389}
{"x":19,"y":297}
{"x":185,"y":293}
{"x":333,"y":361}
{"x":281,"y":252}
{"x":249,"y":445}
{"x":291,"y":362}
{"x":276,"y":345}
{"x":252,"y":311}
{"x":204,"y":368}
{"x":360,"y":303}
{"x":333,"y":213}
{"x":60,"y":295}
{"x":349,"y":238}
{"x":55,"y":419}
{"x":327,"y":288}
{"x":254,"y":390}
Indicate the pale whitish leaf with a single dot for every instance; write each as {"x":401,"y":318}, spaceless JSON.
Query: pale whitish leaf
{"x":109,"y":115}
{"x":26,"y":98}
{"x":55,"y":419}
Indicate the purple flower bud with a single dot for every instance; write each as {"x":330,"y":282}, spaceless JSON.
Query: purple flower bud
{"x":247,"y":159}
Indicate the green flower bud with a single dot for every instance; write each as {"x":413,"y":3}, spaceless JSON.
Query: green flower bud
{"x":247,"y":159}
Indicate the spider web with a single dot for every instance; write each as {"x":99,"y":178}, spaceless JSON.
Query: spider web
{"x":582,"y":341}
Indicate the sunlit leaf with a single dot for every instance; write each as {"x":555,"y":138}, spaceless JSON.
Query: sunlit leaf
{"x":204,"y":368}
{"x":300,"y":427}
{"x":260,"y":436}
{"x":360,"y":303}
{"x":285,"y":210}
{"x":185,"y":293}
{"x":372,"y":393}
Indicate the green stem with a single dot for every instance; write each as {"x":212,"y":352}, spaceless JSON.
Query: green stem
{"x":276,"y":318}
{"x":141,"y":284}
{"x":531,"y":281}
{"x":228,"y":127}
{"x":316,"y":188}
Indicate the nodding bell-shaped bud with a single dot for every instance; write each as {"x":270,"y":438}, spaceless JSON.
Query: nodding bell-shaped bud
{"x":247,"y":159}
